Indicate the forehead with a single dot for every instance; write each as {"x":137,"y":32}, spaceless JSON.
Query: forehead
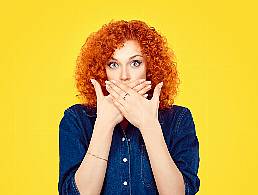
{"x":129,"y":48}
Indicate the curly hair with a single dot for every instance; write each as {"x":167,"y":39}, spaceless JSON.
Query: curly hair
{"x":100,"y":46}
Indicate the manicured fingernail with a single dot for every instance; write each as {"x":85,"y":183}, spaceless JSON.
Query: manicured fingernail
{"x":161,"y":84}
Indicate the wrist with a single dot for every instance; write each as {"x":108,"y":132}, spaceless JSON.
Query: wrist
{"x":102,"y":124}
{"x":147,"y":129}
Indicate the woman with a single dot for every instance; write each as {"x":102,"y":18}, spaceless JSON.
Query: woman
{"x":127,"y":137}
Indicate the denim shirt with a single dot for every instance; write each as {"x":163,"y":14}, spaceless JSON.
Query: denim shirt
{"x":128,"y":167}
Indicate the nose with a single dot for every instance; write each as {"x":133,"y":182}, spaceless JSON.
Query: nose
{"x":124,"y":74}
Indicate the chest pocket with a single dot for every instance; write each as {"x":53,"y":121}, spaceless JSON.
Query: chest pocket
{"x":147,"y":176}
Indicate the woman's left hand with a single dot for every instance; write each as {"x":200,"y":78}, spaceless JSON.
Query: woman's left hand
{"x":138,"y":110}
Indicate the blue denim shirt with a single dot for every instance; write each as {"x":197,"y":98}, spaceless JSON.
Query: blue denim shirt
{"x":128,"y":167}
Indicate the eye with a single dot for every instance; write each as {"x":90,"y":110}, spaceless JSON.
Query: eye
{"x":110,"y":64}
{"x":137,"y":62}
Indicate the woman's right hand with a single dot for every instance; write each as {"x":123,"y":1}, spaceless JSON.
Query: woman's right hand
{"x":107,"y":112}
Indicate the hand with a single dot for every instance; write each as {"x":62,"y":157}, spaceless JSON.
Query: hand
{"x":106,"y":110}
{"x":136,"y":109}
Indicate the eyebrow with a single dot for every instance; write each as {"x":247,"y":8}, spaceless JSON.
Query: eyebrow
{"x":129,"y":58}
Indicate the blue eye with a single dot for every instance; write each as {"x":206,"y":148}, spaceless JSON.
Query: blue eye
{"x":111,"y":64}
{"x":138,"y":62}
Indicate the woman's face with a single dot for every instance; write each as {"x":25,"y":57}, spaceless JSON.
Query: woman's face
{"x":127,"y":63}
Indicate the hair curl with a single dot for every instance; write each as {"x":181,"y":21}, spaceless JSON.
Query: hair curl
{"x":100,"y":46}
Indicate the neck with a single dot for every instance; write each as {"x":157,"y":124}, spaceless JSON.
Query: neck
{"x":124,"y":123}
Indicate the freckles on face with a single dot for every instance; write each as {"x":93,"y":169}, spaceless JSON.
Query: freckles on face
{"x":127,"y":63}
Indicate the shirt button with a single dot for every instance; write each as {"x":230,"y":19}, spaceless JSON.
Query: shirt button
{"x":124,"y":159}
{"x":125,"y":183}
{"x":123,"y":139}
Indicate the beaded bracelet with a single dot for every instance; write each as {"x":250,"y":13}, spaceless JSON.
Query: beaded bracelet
{"x":96,"y":156}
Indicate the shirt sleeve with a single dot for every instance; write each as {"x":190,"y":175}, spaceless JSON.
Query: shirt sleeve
{"x":71,"y":152}
{"x":185,"y":151}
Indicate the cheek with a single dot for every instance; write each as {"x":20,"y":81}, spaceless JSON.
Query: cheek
{"x":111,"y":75}
{"x":143,"y":70}
{"x":138,"y":74}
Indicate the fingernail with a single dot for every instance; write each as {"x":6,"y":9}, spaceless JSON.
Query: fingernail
{"x":161,"y":84}
{"x":92,"y":81}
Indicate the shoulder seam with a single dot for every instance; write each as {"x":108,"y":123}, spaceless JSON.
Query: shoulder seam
{"x":181,"y":115}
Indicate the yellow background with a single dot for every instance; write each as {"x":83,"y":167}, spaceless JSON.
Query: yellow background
{"x":216,"y":46}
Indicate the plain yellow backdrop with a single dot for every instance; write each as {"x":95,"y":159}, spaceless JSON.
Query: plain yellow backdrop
{"x":216,"y":47}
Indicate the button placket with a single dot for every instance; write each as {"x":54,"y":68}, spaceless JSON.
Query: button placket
{"x":125,"y":164}
{"x":125,"y":160}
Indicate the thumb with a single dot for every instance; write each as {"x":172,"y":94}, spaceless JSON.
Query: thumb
{"x":97,"y":88}
{"x":156,"y":92}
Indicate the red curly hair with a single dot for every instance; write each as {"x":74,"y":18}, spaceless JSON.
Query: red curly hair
{"x":100,"y":46}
